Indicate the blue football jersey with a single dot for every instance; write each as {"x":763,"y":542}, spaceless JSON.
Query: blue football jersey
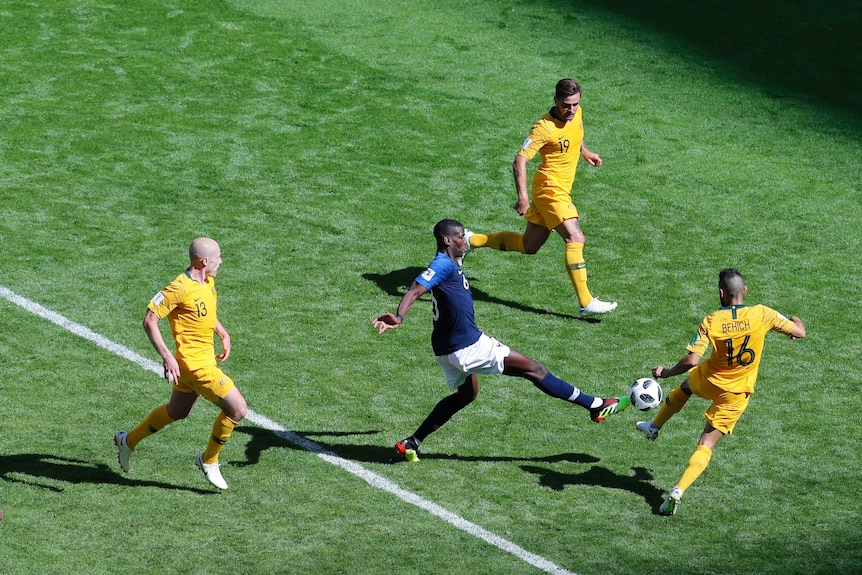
{"x":454,"y":322}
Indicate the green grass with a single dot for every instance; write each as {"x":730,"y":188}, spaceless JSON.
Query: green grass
{"x":319,"y":143}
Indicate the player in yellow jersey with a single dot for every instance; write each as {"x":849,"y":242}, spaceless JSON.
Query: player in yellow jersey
{"x":736,"y":333}
{"x":190,"y":304}
{"x":558,"y":137}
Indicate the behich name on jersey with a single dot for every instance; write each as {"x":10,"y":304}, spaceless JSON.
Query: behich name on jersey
{"x":735,"y":326}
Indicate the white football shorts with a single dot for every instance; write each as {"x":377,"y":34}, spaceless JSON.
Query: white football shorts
{"x":486,"y":356}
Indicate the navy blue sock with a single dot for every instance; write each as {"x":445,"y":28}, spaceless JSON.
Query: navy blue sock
{"x":556,"y":387}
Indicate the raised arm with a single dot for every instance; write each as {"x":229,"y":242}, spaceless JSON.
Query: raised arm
{"x":389,"y":320}
{"x":688,"y":361}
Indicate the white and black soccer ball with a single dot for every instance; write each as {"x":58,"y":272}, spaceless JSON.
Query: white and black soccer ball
{"x":646,"y":394}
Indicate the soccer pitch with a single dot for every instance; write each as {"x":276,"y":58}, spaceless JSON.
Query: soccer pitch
{"x":319,"y":143}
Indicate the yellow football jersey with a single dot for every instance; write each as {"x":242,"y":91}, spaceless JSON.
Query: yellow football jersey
{"x":559,"y":145}
{"x":191,"y":310}
{"x":736,"y":334}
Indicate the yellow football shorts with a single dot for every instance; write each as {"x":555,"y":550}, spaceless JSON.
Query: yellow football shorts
{"x":551,"y":210}
{"x":209,"y":382}
{"x":726,"y":408}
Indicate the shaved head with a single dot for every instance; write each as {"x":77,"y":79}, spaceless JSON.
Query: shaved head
{"x":203,"y":248}
{"x":732,"y":282}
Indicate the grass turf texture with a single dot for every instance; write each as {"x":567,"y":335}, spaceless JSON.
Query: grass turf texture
{"x":319,"y":144}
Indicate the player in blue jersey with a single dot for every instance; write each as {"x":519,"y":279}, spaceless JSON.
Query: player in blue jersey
{"x":463,"y":351}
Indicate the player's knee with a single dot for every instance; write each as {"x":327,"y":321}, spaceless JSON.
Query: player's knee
{"x":239,"y":412}
{"x":177,"y":414}
{"x":466,"y":393}
{"x":686,"y":387}
{"x":236,"y":409}
{"x":538,"y":371}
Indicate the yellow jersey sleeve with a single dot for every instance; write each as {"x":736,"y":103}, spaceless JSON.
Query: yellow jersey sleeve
{"x":191,"y":310}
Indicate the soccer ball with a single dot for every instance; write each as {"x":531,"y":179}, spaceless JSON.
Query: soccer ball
{"x":646,"y":394}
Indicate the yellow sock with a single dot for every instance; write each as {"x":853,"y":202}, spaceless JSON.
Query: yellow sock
{"x":156,"y":420}
{"x":222,"y":428}
{"x":674,"y":401}
{"x":698,"y":462}
{"x":577,"y":270}
{"x":503,"y":241}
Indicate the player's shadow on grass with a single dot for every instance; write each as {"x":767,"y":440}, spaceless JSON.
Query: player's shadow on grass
{"x":52,"y":471}
{"x":264,"y":439}
{"x":327,"y":442}
{"x":396,"y":283}
{"x":558,"y":458}
{"x":314,"y":442}
{"x":639,"y":483}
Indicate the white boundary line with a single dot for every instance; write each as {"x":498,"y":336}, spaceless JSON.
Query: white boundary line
{"x":351,"y":467}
